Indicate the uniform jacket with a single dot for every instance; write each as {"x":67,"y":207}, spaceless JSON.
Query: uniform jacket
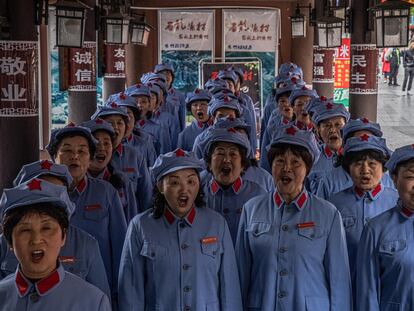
{"x":249,"y":117}
{"x":293,"y":257}
{"x":384,"y":279}
{"x":61,"y":290}
{"x":166,"y":119}
{"x":144,"y":143}
{"x":187,"y":137}
{"x":162,"y":142}
{"x":175,"y":104}
{"x":99,"y":212}
{"x":179,"y":264}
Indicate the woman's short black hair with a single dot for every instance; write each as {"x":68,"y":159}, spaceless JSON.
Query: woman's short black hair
{"x":351,"y":157}
{"x":402,"y":164}
{"x":159,"y":202}
{"x":12,"y":217}
{"x":245,"y":161}
{"x":54,"y":149}
{"x":299,"y":151}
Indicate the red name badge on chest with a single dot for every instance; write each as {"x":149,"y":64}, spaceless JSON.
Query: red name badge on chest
{"x":67,"y":259}
{"x":92,"y":207}
{"x":129,"y":170}
{"x":309,"y":224}
{"x":209,"y":240}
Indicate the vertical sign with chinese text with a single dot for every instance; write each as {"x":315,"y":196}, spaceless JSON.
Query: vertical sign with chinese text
{"x":18,"y":77}
{"x":82,"y":68}
{"x":364,"y":69}
{"x":323,"y":71}
{"x":342,"y":72}
{"x":114,"y":61}
{"x":186,"y":37}
{"x":253,"y":33}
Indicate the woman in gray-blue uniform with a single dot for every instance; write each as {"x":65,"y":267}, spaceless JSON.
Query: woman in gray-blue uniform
{"x":98,"y":207}
{"x":80,"y":255}
{"x":227,"y":157}
{"x":329,"y":119}
{"x":196,"y":103}
{"x":125,"y":158}
{"x":338,"y":179}
{"x":140,"y":140}
{"x":179,"y":255}
{"x":175,"y":100}
{"x":363,"y":159}
{"x":291,"y":247}
{"x":101,"y":168}
{"x":385,"y":260}
{"x":35,"y":226}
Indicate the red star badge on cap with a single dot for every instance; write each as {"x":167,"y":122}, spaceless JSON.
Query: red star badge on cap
{"x":46,"y":165}
{"x":99,"y":121}
{"x":179,"y":153}
{"x":71,"y":124}
{"x":291,"y":131}
{"x":294,"y":79}
{"x":323,"y":98}
{"x":149,"y":84}
{"x":226,"y":99}
{"x":329,"y":106}
{"x":304,"y":88}
{"x":138,"y":85}
{"x":364,"y":137}
{"x":197,"y":91}
{"x":34,"y":184}
{"x":122,"y":96}
{"x":232,"y":130}
{"x":365,"y":120}
{"x":114,"y":105}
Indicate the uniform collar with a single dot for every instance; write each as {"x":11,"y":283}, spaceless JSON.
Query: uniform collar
{"x":373,"y":194}
{"x":141,"y":122}
{"x":285,"y":121}
{"x":157,"y":114}
{"x":170,"y":217}
{"x":130,"y":138}
{"x":329,"y":153}
{"x":119,"y":149}
{"x":405,"y":212}
{"x":105,"y":174}
{"x":43,"y":286}
{"x":82,"y":185}
{"x":302,"y":126}
{"x":299,"y":202}
{"x":236,"y":186}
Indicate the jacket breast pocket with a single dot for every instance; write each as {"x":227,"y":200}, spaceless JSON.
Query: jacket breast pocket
{"x":210,"y":249}
{"x":94,"y":212}
{"x":153,"y":251}
{"x":392,"y":247}
{"x":348,"y":221}
{"x":311,"y":233}
{"x":258,"y":228}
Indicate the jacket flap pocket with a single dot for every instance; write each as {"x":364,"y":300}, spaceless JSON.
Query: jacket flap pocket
{"x":258,"y":228}
{"x":392,"y":247}
{"x":348,"y":221}
{"x":153,"y":251}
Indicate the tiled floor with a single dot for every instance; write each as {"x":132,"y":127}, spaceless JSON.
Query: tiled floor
{"x":396,"y":114}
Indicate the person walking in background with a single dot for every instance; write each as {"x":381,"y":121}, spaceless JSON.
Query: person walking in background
{"x":393,"y":55}
{"x":408,"y":63}
{"x":385,"y":66}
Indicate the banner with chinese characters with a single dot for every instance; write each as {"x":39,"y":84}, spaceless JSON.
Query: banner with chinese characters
{"x":323,"y":71}
{"x":82,"y":68}
{"x":342,"y":72}
{"x":18,"y":77}
{"x":364,"y":69}
{"x":253,"y":33}
{"x":114,"y":61}
{"x":186,"y":37}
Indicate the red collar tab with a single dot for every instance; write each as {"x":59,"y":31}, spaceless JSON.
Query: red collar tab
{"x":406,"y":212}
{"x":114,"y":105}
{"x":21,"y":283}
{"x":82,"y":185}
{"x":359,"y":192}
{"x":340,"y":151}
{"x":285,"y":121}
{"x":328,"y":152}
{"x":34,"y":184}
{"x":200,"y":124}
{"x":278,"y":200}
{"x":171,"y":91}
{"x":237,"y":185}
{"x":71,"y":124}
{"x":329,"y":106}
{"x":210,"y":122}
{"x":46,"y":165}
{"x":141,"y":123}
{"x":43,"y":286}
{"x":170,"y":217}
{"x":373,"y":194}
{"x":214,"y":187}
{"x":130,"y":138}
{"x":106,"y":174}
{"x":119,"y":149}
{"x":232,"y":130}
{"x":301,"y":200}
{"x":291,"y":131}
